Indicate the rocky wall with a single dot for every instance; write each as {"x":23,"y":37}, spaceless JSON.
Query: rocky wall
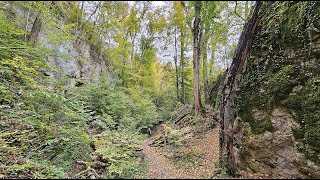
{"x":278,"y":103}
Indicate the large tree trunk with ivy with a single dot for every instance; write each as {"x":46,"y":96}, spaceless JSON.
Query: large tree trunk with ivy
{"x":227,"y":113}
{"x":197,"y":36}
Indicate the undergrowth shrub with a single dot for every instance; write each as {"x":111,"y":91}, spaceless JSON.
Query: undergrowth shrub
{"x":170,"y":136}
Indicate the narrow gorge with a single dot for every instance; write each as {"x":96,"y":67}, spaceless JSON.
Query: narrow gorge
{"x":159,"y":89}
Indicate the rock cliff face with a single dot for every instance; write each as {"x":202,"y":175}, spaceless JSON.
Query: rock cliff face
{"x":71,"y":61}
{"x":76,"y":62}
{"x":278,"y":101}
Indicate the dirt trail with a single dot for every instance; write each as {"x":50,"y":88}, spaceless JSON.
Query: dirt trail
{"x":160,"y":167}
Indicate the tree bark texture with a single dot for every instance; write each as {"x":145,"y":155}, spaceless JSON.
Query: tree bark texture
{"x":205,"y":70}
{"x":196,"y":57}
{"x":176,"y":61}
{"x":183,"y":96}
{"x":227,"y":111}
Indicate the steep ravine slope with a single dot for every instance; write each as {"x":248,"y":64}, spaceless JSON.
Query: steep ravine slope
{"x":278,"y":101}
{"x":44,"y":131}
{"x":71,"y":60}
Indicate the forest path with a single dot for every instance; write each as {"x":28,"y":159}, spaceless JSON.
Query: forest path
{"x":161,"y":167}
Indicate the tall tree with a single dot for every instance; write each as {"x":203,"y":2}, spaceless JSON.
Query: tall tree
{"x":133,"y":24}
{"x":182,"y":65}
{"x":178,"y":19}
{"x":208,"y":16}
{"x":176,"y":60}
{"x":197,"y":37}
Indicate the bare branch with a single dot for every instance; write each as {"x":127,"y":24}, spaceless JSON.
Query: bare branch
{"x":88,"y":169}
{"x":123,"y":18}
{"x":185,"y":10}
{"x":94,"y":12}
{"x":235,"y":11}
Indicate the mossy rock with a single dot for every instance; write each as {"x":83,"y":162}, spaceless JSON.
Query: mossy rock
{"x":313,"y":137}
{"x":280,"y":72}
{"x":262,"y":127}
{"x":281,"y":84}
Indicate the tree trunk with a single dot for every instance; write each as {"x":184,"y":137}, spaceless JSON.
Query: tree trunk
{"x":176,"y":61}
{"x":132,"y":51}
{"x":227,"y":112}
{"x":205,"y":69}
{"x":211,"y":62}
{"x":182,"y":67}
{"x":196,"y":57}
